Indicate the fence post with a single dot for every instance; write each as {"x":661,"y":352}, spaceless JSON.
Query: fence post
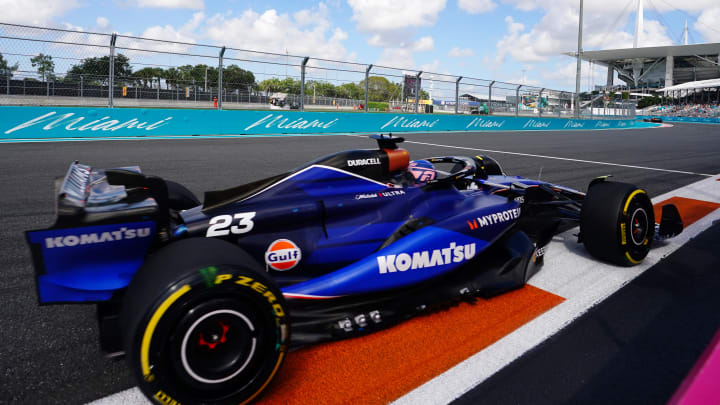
{"x":457,"y":93}
{"x":82,"y":87}
{"x":417,"y":92}
{"x":158,"y":89}
{"x":302,"y":82}
{"x":220,"y":69}
{"x":111,"y":81}
{"x":7,"y":78}
{"x":539,"y":102}
{"x":490,"y":97}
{"x":195,"y":90}
{"x":517,"y":100}
{"x":367,"y":86}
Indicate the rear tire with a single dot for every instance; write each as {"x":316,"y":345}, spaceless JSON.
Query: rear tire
{"x":617,"y":223}
{"x":203,"y":323}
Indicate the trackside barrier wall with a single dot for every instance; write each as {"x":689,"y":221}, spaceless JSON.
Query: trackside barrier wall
{"x":71,"y":122}
{"x":704,"y":120}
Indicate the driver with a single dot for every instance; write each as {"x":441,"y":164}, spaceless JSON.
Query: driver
{"x":422,"y":170}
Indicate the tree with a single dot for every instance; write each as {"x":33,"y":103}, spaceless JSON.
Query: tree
{"x":351,"y":90}
{"x":269,"y":85}
{"x":287,"y":85}
{"x":236,"y":78}
{"x":99,"y":68}
{"x":197,"y":73}
{"x":171,"y":76}
{"x":321,"y":89}
{"x":45,"y":65}
{"x":380,"y":88}
{"x":146,"y":76}
{"x":6,"y":71}
{"x":290,"y":85}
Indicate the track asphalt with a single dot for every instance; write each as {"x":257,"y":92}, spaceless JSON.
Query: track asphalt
{"x":50,"y":354}
{"x":636,"y":347}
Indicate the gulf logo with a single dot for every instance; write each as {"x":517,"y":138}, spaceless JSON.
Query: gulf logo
{"x":283,"y":255}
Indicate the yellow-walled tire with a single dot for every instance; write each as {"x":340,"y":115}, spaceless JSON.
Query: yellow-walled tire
{"x":203,"y":325}
{"x":617,"y":223}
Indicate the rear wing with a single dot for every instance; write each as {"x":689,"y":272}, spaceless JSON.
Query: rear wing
{"x":102,"y":233}
{"x":84,"y":195}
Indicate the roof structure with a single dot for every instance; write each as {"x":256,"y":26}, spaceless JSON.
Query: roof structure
{"x":700,"y":84}
{"x":659,"y":66}
{"x":653,"y":52}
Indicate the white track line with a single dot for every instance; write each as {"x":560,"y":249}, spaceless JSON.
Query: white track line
{"x":559,"y":158}
{"x":571,"y":273}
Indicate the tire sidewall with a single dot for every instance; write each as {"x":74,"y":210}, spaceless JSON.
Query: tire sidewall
{"x":156,"y":337}
{"x":634,"y":248}
{"x":606,"y":222}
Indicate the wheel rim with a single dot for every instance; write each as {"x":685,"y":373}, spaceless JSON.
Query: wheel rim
{"x":639,"y":227}
{"x":218,"y":346}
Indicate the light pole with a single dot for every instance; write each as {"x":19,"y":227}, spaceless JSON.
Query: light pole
{"x":457,"y":93}
{"x":579,"y":63}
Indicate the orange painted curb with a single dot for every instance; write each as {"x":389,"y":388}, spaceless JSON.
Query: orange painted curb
{"x":690,"y":210}
{"x":381,"y":367}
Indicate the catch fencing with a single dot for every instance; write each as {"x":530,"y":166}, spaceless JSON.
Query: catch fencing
{"x":49,"y":66}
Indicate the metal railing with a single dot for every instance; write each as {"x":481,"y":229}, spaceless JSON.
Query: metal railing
{"x":47,"y":66}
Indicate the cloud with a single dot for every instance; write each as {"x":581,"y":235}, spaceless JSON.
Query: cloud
{"x":707,"y":25}
{"x":383,"y":15}
{"x":168,"y":33}
{"x":189,"y":4}
{"x":393,"y":26}
{"x":556,"y":32}
{"x":306,"y":32}
{"x":434,"y":66}
{"x":397,"y":57}
{"x":477,"y":6}
{"x":185,"y":33}
{"x":461,"y":52}
{"x":562,"y":75}
{"x":424,"y":44}
{"x":35,"y":12}
{"x":102,"y":22}
{"x":400,"y":53}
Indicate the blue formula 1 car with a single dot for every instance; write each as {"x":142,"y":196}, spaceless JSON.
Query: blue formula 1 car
{"x":202,"y":297}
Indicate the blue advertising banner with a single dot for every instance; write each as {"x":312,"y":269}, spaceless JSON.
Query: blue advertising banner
{"x":77,"y":122}
{"x":703,"y":120}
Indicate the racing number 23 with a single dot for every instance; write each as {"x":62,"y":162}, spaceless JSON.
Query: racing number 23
{"x":222,"y":225}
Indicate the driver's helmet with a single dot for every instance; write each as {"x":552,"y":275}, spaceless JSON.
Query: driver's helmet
{"x":422,"y":170}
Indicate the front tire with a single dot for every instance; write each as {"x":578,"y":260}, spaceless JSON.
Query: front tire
{"x":617,"y":223}
{"x":204,"y":324}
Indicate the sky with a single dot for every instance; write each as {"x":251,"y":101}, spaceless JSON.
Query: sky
{"x":518,"y":41}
